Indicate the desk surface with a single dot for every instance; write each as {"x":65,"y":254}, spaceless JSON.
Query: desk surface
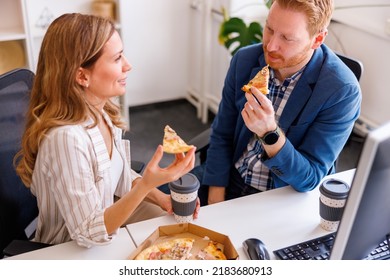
{"x":119,"y":249}
{"x":279,"y":218}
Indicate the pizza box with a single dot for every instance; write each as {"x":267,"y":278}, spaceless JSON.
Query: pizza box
{"x":200,"y":234}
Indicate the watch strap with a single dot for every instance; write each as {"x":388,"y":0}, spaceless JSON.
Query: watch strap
{"x":261,"y":139}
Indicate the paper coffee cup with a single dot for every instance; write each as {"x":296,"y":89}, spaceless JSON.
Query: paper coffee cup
{"x":333,"y":195}
{"x":184,"y":193}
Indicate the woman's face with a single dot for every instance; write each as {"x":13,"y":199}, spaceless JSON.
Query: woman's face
{"x":107,"y":77}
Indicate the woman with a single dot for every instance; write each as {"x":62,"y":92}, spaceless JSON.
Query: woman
{"x":72,"y":156}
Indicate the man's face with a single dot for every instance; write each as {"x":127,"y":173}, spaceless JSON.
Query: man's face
{"x":287,"y":43}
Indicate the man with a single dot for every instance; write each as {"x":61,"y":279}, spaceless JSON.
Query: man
{"x":293,"y":135}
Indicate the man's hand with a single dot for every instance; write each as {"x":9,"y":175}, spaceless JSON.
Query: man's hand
{"x":259,"y":117}
{"x":258,"y":113}
{"x":216,"y":194}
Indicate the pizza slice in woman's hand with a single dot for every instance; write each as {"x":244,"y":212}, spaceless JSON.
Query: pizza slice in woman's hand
{"x":260,"y":81}
{"x":172,"y":143}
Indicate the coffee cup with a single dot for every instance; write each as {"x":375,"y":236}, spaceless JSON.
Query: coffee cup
{"x":184,"y":194}
{"x":333,"y":195}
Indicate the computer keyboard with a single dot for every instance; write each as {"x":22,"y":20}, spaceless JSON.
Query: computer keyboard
{"x":319,"y":249}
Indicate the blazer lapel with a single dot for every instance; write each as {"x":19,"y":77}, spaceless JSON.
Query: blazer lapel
{"x":302,"y":91}
{"x":245,"y":134}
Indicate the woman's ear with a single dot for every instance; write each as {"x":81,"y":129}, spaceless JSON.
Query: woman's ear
{"x":82,"y":77}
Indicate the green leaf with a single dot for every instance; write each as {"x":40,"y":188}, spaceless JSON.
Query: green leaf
{"x":235,"y":34}
{"x":268,"y":3}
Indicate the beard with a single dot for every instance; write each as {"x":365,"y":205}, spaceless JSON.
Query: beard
{"x":277,"y":61}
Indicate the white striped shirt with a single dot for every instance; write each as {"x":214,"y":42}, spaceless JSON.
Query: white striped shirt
{"x":72,"y":183}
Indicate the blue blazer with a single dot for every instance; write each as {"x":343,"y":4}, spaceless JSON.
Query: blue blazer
{"x":317,"y":120}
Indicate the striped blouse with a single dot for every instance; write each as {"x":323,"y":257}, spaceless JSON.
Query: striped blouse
{"x":72,"y":182}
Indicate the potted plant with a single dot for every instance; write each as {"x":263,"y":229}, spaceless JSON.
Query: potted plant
{"x":234,"y":33}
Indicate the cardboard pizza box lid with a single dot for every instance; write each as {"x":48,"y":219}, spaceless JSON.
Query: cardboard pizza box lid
{"x":187,"y":230}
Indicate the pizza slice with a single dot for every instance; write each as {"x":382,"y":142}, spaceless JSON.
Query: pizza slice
{"x":172,"y":143}
{"x":213,"y":251}
{"x":260,"y":81}
{"x":175,"y":249}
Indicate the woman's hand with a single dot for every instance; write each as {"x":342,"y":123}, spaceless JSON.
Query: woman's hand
{"x":197,"y":208}
{"x":165,"y":203}
{"x":155,"y":176}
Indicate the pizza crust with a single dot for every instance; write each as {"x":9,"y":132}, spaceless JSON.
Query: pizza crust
{"x":260,"y":81}
{"x":213,"y":251}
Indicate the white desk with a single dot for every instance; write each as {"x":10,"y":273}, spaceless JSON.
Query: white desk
{"x":279,"y":218}
{"x":119,"y":249}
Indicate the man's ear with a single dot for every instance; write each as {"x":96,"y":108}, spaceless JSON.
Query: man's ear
{"x":82,"y":77}
{"x":319,"y":39}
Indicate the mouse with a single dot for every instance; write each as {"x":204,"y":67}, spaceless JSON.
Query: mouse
{"x":255,"y":249}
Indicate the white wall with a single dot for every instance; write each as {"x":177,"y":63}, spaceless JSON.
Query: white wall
{"x":166,"y":50}
{"x":155,"y":37}
{"x":47,"y":10}
{"x":211,"y":60}
{"x":360,"y":32}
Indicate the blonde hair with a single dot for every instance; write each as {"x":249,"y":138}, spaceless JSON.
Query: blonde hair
{"x":71,"y":41}
{"x":318,"y":12}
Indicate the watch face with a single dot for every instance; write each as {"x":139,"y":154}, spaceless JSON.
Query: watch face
{"x":271,"y":138}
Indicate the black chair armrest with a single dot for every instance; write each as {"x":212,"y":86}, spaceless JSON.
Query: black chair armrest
{"x":137,"y":166}
{"x":201,"y":141}
{"x":17,"y":247}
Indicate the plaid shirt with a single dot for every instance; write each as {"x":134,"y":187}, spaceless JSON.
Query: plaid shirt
{"x":249,"y":165}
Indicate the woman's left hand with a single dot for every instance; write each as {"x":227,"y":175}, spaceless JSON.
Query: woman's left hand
{"x":166,"y":204}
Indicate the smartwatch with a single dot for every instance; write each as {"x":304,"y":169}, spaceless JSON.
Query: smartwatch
{"x":271,"y":137}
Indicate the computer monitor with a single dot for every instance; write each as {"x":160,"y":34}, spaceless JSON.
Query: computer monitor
{"x":366,"y":218}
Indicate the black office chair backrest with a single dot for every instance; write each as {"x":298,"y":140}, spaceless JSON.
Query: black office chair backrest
{"x":18,"y":206}
{"x":355,"y":65}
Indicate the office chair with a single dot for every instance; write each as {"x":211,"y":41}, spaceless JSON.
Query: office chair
{"x":201,"y":141}
{"x":18,"y":207}
{"x":355,"y":65}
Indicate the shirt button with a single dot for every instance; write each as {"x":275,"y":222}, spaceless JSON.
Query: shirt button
{"x":276,"y":171}
{"x":249,"y":172}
